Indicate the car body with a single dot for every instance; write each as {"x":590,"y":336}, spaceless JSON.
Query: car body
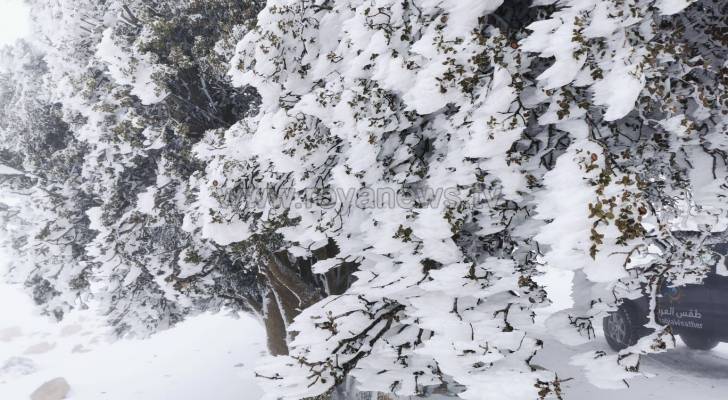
{"x":696,"y":312}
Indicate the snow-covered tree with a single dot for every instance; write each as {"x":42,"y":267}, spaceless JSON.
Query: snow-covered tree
{"x":400,"y":97}
{"x":133,"y":86}
{"x":392,"y":186}
{"x":650,"y":163}
{"x":567,"y":130}
{"x":44,"y":204}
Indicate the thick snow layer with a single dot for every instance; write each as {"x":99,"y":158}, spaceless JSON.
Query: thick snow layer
{"x":618,"y":91}
{"x":145,"y":200}
{"x":669,"y":7}
{"x":5,"y":170}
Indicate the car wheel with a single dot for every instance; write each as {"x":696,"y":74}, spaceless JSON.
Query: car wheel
{"x":621,"y":327}
{"x":698,"y":340}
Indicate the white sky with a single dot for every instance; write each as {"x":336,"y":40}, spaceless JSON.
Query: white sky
{"x":14,"y":21}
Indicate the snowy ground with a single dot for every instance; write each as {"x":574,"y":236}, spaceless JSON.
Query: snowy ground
{"x":679,"y":374}
{"x":206,"y":358}
{"x":211,"y":357}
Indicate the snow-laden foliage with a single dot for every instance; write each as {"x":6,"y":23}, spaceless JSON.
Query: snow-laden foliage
{"x":404,"y":97}
{"x":568,"y":131}
{"x":43,"y":212}
{"x":114,"y":99}
{"x":392,"y":186}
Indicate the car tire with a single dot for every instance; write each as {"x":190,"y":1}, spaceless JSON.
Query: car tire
{"x":698,"y":340}
{"x":622,"y":328}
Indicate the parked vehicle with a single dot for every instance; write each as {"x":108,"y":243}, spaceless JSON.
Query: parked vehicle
{"x":697,"y":312}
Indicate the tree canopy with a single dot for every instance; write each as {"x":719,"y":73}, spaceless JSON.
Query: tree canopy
{"x":390,"y":186}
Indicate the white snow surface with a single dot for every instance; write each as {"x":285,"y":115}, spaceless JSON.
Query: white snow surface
{"x":5,"y":170}
{"x":206,"y":357}
{"x":675,"y":375}
{"x":670,"y":7}
{"x":211,"y":357}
